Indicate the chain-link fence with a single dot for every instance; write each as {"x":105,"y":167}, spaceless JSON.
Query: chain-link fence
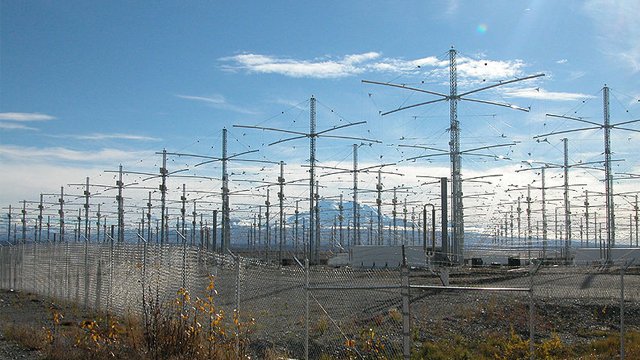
{"x":316,"y":312}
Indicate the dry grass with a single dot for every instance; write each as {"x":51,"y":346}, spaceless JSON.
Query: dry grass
{"x":27,"y":336}
{"x":184,"y":328}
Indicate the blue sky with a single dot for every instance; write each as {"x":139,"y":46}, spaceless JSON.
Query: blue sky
{"x":85,"y":86}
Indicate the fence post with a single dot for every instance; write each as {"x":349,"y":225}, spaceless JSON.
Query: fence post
{"x":16,"y":275}
{"x":35,"y":268}
{"x":237,"y":260}
{"x":622,"y":312}
{"x":532,"y":272}
{"x":67,"y":281}
{"x":406,"y":315}
{"x":52,"y":254}
{"x":144,"y":266}
{"x":184,"y":260}
{"x":86,"y":275}
{"x":622,"y":270}
{"x":306,"y":309}
{"x":111,"y":270}
{"x":531,"y":327}
{"x":21,"y":257}
{"x":99,"y":283}
{"x":3,"y":261}
{"x":3,"y":266}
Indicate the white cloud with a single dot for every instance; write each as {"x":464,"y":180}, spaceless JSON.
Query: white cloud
{"x":102,"y":136}
{"x":490,"y":70}
{"x":29,"y":171}
{"x":217,"y":101}
{"x":103,"y":156}
{"x":28,"y":180}
{"x":359,"y":58}
{"x":400,"y":65}
{"x":452,"y":7}
{"x":300,"y":68}
{"x":562,"y":61}
{"x":619,"y":29}
{"x":355,"y":64}
{"x":575,"y":75}
{"x":99,"y":136}
{"x":15,"y":116}
{"x":542,"y":94}
{"x":14,"y":126}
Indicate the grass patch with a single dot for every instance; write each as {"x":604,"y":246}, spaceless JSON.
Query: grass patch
{"x":27,"y":336}
{"x":500,"y":347}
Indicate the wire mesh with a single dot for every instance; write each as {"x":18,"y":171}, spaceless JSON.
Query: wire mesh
{"x":355,"y":313}
{"x":352,"y":312}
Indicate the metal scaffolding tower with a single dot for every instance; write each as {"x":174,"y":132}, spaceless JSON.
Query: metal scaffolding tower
{"x":314,"y":234}
{"x":457,"y":208}
{"x":608,"y":176}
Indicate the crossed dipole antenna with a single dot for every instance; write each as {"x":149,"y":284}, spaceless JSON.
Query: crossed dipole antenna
{"x":567,"y":205}
{"x":453,"y":97}
{"x":224,"y":159}
{"x":120,"y":185}
{"x":606,"y":126}
{"x":314,"y":236}
{"x":354,"y":171}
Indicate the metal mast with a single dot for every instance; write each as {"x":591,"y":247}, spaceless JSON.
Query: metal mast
{"x":61,"y":213}
{"x":226,"y":228}
{"x":317,"y":219}
{"x":87,"y":193}
{"x":454,"y":144}
{"x":544,"y":215}
{"x":457,"y":213}
{"x":40,"y":209}
{"x":193,"y":223}
{"x":394,"y":213}
{"x":529,"y":230}
{"x":606,"y":126}
{"x":313,"y":254}
{"x":636,"y":219}
{"x":281,"y":203}
{"x":120,"y":201}
{"x":259,"y":225}
{"x":24,"y":221}
{"x":586,"y":215}
{"x":183,"y":209}
{"x":519,"y":211}
{"x":608,"y":177}
{"x":163,"y":198}
{"x":9,"y":225}
{"x":567,"y":209}
{"x":296,"y":222}
{"x":314,"y":235}
{"x":341,"y":221}
{"x":149,"y":218}
{"x":356,"y":218}
{"x":267,"y":242}
{"x":379,"y":204}
{"x":98,"y":224}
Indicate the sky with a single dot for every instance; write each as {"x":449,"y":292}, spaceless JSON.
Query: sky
{"x":87,"y":86}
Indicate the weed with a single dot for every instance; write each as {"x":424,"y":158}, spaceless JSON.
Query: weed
{"x":321,"y":326}
{"x":29,"y":337}
{"x":193,"y":328}
{"x":395,"y":315}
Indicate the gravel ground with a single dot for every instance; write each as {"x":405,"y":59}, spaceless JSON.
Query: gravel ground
{"x":27,"y":311}
{"x":14,"y":308}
